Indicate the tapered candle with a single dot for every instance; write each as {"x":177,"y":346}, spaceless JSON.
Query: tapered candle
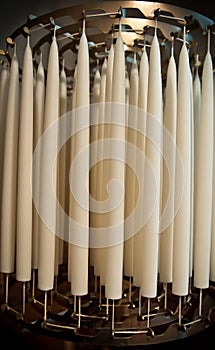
{"x":79,"y":254}
{"x":9,"y":179}
{"x":151,"y":229}
{"x":39,"y":101}
{"x":169,"y":122}
{"x":181,"y":239}
{"x":61,"y":173}
{"x":130,"y":185}
{"x":24,"y":193}
{"x":51,"y":113}
{"x":142,"y":109}
{"x":212,"y":252}
{"x":99,"y":267}
{"x":204,"y":179}
{"x":4,"y":82}
{"x":114,"y":253}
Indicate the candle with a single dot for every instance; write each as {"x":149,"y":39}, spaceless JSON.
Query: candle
{"x":142,"y":108}
{"x":4,"y":82}
{"x":212,"y":252}
{"x":9,"y":181}
{"x":114,"y":253}
{"x":25,"y":152}
{"x":130,"y":186}
{"x":169,"y":122}
{"x":99,"y":266}
{"x":79,"y":254}
{"x":204,"y":181}
{"x":51,"y":113}
{"x":151,"y":229}
{"x":181,"y":239}
{"x":61,"y":173}
{"x":39,"y":100}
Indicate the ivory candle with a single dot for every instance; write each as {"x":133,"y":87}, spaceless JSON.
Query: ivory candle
{"x":130,"y":181}
{"x":4,"y":82}
{"x":151,"y":229}
{"x":142,"y":109}
{"x":212,"y":252}
{"x":39,"y":100}
{"x":51,"y":113}
{"x":25,"y":153}
{"x":169,"y":122}
{"x":79,"y":254}
{"x":114,"y":253}
{"x":9,"y":178}
{"x":181,"y":239}
{"x":204,"y":179}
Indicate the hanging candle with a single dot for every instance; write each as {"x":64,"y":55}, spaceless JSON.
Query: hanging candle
{"x":142,"y":109}
{"x":204,"y":181}
{"x":130,"y":185}
{"x":79,"y":253}
{"x":212,"y":252}
{"x":39,"y":100}
{"x":182,"y":223}
{"x":99,"y":266}
{"x":114,"y":253}
{"x":9,"y":182}
{"x":151,"y":229}
{"x":61,"y":172}
{"x":169,"y":122}
{"x":51,"y":113}
{"x":24,"y":193}
{"x":4,"y":82}
{"x":93,"y":138}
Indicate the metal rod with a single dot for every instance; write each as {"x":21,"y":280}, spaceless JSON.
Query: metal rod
{"x":95,"y":284}
{"x":75,"y":310}
{"x":100,"y":293}
{"x":173,"y":17}
{"x":23,"y":298}
{"x":6,"y":288}
{"x":139,"y":302}
{"x":200,"y":302}
{"x":45,"y":306}
{"x":79,"y":311}
{"x":165,"y":295}
{"x":33,"y":284}
{"x":148,"y":312}
{"x":112,"y":323}
{"x":103,"y":14}
{"x":179,"y":311}
{"x":107,"y":307}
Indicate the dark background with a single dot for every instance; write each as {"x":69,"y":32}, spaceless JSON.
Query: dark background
{"x":13,"y":14}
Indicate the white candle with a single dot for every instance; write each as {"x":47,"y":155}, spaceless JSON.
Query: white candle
{"x":212,"y":253}
{"x":100,"y":252}
{"x":79,"y":254}
{"x":9,"y":178}
{"x":204,"y":179}
{"x":114,"y":254}
{"x":93,"y":138}
{"x":61,"y":173}
{"x":4,"y":82}
{"x":39,"y":100}
{"x":169,"y":122}
{"x":25,"y":153}
{"x":142,"y":109}
{"x":130,"y":181}
{"x":181,"y":239}
{"x":151,"y":229}
{"x":51,"y":113}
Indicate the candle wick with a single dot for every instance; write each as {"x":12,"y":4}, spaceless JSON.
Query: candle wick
{"x":184,"y":35}
{"x":84,"y":25}
{"x":172,"y":47}
{"x":209,"y":39}
{"x":156,"y":25}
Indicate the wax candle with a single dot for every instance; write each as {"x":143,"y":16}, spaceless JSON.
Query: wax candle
{"x":181,"y":239}
{"x":25,"y":153}
{"x":114,"y":253}
{"x":151,"y":229}
{"x":204,"y":179}
{"x":51,"y":113}
{"x":9,"y":177}
{"x":169,"y":122}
